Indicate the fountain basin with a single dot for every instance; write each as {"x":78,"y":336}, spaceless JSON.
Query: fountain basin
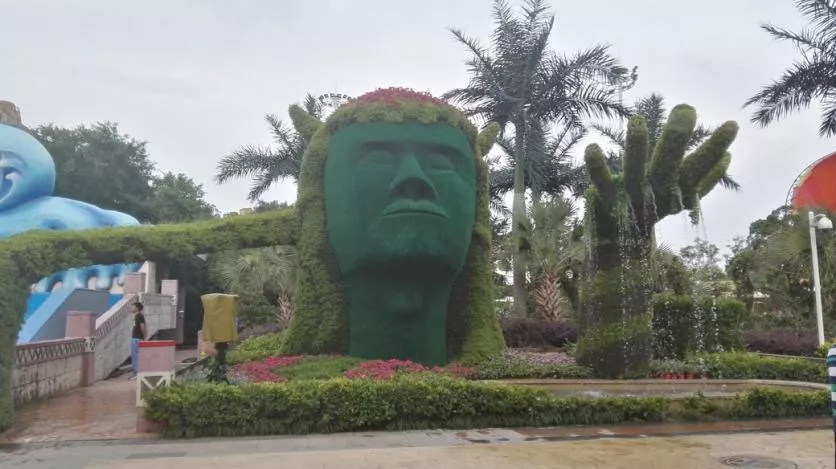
{"x":674,"y":389}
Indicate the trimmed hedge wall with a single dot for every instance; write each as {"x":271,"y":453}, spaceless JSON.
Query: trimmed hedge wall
{"x":417,"y":402}
{"x":537,"y":333}
{"x":33,"y":255}
{"x":683,"y":325}
{"x":783,"y":341}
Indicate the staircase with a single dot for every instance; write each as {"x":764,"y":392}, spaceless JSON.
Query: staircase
{"x":48,"y":367}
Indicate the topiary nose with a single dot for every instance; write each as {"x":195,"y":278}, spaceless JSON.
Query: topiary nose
{"x":411,"y":182}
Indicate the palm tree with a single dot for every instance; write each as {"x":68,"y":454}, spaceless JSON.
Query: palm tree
{"x":267,"y":166}
{"x":554,"y":251}
{"x":259,"y":275}
{"x":519,"y":81}
{"x":548,"y":169}
{"x":811,"y":77}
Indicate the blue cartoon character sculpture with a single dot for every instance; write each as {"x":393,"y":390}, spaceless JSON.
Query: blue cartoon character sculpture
{"x":27,"y":181}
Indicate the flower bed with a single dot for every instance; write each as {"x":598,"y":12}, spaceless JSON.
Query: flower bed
{"x":416,"y":401}
{"x":518,"y":364}
{"x":297,"y":367}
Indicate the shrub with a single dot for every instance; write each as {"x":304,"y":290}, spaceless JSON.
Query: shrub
{"x":783,"y":341}
{"x":821,"y":350}
{"x":682,"y":325}
{"x":747,"y":366}
{"x":422,"y":401}
{"x":537,"y":333}
{"x":257,"y":348}
{"x":516,"y":364}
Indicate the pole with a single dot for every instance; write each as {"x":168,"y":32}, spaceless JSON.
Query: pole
{"x":816,"y":278}
{"x":831,"y":373}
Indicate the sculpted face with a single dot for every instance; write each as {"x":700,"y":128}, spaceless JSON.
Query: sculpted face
{"x":26,"y":168}
{"x":399,"y":192}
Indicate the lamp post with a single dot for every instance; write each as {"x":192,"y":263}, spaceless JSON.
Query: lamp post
{"x":818,"y":222}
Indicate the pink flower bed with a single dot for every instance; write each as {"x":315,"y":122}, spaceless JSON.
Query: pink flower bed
{"x":387,"y":369}
{"x":264,"y":371}
{"x":267,"y":371}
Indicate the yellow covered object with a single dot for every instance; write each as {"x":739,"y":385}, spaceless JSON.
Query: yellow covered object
{"x":219,"y":314}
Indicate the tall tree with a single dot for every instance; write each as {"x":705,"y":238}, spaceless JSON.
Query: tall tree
{"x":775,"y":260}
{"x":177,"y":198}
{"x":518,"y":81}
{"x":812,"y":76}
{"x":100,"y":166}
{"x":267,"y":166}
{"x":703,"y":260}
{"x":549,"y":168}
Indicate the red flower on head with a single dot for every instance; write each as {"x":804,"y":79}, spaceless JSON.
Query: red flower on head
{"x":393,"y":95}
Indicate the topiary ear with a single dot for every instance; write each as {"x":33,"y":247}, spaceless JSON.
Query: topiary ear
{"x":305,"y":124}
{"x":486,"y":139}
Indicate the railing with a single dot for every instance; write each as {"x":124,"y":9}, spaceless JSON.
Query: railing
{"x":112,"y":342}
{"x":48,"y":367}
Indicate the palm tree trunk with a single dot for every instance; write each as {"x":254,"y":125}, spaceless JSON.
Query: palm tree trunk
{"x":519,"y":219}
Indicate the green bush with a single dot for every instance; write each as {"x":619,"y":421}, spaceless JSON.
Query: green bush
{"x":507,"y":366}
{"x":821,"y":350}
{"x":421,"y":401}
{"x":754,"y":366}
{"x":683,"y":325}
{"x":257,"y":348}
{"x":26,"y":258}
{"x":745,"y":366}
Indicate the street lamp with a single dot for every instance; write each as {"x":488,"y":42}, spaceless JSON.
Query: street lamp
{"x":818,"y":222}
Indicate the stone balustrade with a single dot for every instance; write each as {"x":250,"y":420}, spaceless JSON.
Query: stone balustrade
{"x":93,"y":347}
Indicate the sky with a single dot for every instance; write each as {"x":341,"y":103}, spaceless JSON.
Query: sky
{"x":194,"y":78}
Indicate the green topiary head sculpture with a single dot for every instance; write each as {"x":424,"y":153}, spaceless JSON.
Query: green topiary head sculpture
{"x":394,"y":244}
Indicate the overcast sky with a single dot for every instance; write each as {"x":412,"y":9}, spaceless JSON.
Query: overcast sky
{"x":195,"y":77}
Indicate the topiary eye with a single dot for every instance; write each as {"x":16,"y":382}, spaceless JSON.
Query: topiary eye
{"x":437,"y":161}
{"x":378,"y":157}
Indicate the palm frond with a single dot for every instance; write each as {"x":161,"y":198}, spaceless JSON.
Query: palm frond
{"x":728,"y":183}
{"x":613,"y":135}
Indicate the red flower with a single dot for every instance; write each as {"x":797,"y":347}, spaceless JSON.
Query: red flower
{"x":394,"y":95}
{"x":265,"y":370}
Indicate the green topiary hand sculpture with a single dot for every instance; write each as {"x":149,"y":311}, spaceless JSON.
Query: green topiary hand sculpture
{"x":622,"y":212}
{"x":395,"y":233}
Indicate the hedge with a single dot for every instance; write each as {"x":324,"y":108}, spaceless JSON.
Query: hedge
{"x":683,"y":325}
{"x":537,"y":333}
{"x":782,"y":341}
{"x":423,"y":402}
{"x":26,"y":258}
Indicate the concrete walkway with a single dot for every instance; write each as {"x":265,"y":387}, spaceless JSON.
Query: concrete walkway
{"x":433,"y":450}
{"x":106,"y":410}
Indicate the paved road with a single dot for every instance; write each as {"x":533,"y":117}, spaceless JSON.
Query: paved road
{"x":490,"y":449}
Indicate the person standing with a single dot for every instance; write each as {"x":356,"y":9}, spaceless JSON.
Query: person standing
{"x":139,"y":333}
